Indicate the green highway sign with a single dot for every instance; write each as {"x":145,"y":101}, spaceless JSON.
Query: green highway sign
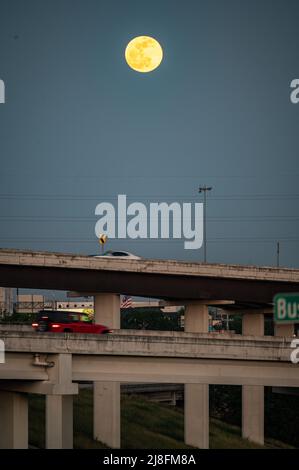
{"x":286,"y":308}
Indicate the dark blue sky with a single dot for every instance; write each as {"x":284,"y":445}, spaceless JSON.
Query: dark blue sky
{"x":79,"y":126}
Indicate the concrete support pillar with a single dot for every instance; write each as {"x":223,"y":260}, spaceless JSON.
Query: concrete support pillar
{"x":59,"y":422}
{"x":253,"y":324}
{"x":59,"y":404}
{"x":196,"y":396}
{"x":196,"y":318}
{"x":107,"y":310}
{"x":253,"y":413}
{"x":13,"y":420}
{"x":253,"y":395}
{"x":106,"y":423}
{"x":284,"y":329}
{"x":106,"y":396}
{"x":197,"y":415}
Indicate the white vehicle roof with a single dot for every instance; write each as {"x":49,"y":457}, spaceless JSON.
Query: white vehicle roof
{"x":117,"y":254}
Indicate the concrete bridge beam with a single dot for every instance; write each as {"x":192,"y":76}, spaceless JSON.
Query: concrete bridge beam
{"x":106,"y":395}
{"x":13,"y":420}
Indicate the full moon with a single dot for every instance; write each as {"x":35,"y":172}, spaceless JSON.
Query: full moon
{"x":144,"y":54}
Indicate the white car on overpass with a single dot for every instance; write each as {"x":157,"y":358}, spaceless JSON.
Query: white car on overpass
{"x":117,"y":254}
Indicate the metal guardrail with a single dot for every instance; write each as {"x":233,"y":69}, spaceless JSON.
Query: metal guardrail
{"x":167,"y":393}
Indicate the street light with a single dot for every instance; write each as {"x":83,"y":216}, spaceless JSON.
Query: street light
{"x":204,"y":189}
{"x":277,"y":254}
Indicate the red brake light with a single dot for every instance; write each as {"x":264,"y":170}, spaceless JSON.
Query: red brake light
{"x":55,"y":325}
{"x":34,"y":324}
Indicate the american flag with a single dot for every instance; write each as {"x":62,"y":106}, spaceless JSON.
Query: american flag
{"x":126,"y":302}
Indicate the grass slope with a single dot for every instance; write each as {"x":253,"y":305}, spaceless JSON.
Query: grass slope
{"x":145,"y":425}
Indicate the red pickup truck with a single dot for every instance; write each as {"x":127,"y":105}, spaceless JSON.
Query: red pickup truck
{"x":66,"y":322}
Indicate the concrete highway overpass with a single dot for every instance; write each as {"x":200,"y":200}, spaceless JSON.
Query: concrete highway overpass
{"x":53,"y":364}
{"x":152,"y":357}
{"x":195,"y":358}
{"x":165,"y":279}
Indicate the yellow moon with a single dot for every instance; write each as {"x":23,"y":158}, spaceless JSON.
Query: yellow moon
{"x":144,"y":54}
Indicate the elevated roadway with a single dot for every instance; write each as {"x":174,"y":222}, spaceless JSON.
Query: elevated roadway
{"x":167,"y":279}
{"x":53,"y":364}
{"x":151,"y":357}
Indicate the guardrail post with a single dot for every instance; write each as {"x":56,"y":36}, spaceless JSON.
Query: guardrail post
{"x":106,"y":395}
{"x":253,"y":395}
{"x":14,"y":420}
{"x":196,"y":396}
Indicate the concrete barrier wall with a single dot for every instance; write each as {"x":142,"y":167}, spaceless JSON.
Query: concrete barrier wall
{"x":15,"y":327}
{"x":157,"y":344}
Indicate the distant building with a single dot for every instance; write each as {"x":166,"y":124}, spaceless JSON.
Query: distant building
{"x":31,"y":303}
{"x":83,"y":305}
{"x":73,"y":305}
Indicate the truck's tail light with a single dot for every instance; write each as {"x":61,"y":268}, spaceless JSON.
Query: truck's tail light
{"x":55,"y":325}
{"x":34,"y":325}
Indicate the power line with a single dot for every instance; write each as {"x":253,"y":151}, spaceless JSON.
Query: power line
{"x":156,"y":241}
{"x":62,"y":175}
{"x":224,"y":197}
{"x":237,"y":219}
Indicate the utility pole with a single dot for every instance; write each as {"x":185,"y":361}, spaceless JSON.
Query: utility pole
{"x":204,"y":189}
{"x":17,"y":301}
{"x":277,"y":254}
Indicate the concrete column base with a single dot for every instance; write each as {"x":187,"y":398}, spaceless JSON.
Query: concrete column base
{"x":14,"y":420}
{"x":253,"y":413}
{"x":197,"y":415}
{"x":106,"y":412}
{"x":59,"y":421}
{"x":196,"y":318}
{"x":107,"y":310}
{"x":285,"y":329}
{"x":253,"y":324}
